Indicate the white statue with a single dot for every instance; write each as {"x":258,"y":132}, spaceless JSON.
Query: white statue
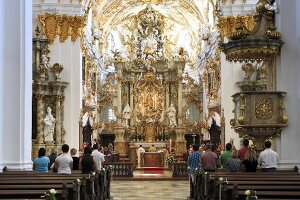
{"x":127,"y":114}
{"x":49,"y":123}
{"x":171,"y":113}
{"x":45,"y":62}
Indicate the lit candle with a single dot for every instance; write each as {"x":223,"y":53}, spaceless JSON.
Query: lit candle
{"x":170,"y":144}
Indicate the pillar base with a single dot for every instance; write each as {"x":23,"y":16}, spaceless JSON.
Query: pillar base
{"x":180,"y":147}
{"x":120,"y":147}
{"x":16,"y":167}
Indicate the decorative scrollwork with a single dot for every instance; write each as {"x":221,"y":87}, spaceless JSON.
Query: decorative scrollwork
{"x":264,"y":109}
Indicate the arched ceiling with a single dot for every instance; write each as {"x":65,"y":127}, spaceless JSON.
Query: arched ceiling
{"x":183,"y":22}
{"x":190,"y":13}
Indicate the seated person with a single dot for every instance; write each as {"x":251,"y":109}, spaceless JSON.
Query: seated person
{"x":40,"y":164}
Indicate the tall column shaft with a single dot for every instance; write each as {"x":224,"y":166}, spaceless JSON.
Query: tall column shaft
{"x":15,"y":84}
{"x":40,"y":117}
{"x":58,"y":120}
{"x":179,"y":94}
{"x":119,"y":104}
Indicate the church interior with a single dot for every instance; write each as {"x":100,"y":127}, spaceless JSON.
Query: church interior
{"x":162,"y":74}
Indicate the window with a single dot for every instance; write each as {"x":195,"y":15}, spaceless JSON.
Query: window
{"x":111,"y":115}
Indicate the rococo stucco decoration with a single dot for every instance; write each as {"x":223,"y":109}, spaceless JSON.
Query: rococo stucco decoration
{"x":61,"y":25}
{"x":146,"y":68}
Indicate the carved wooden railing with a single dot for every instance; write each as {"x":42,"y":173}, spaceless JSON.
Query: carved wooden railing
{"x":122,"y":169}
{"x":180,"y":169}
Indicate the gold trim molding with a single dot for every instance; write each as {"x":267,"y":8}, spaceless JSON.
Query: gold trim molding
{"x":62,"y":25}
{"x":230,"y":25}
{"x":250,"y":50}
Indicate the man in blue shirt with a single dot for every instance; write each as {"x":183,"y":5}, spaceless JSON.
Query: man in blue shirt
{"x":194,"y":165}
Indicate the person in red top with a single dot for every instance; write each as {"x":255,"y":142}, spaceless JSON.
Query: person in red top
{"x":209,"y":159}
{"x":242,"y":152}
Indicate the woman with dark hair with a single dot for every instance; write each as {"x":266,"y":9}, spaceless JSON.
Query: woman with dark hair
{"x":87,"y":162}
{"x":41,"y":163}
{"x":250,"y":161}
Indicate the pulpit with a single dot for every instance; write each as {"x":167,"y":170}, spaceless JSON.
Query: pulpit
{"x":152,"y":159}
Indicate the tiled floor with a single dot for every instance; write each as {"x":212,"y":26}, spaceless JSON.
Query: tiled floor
{"x":150,"y":187}
{"x":149,"y":190}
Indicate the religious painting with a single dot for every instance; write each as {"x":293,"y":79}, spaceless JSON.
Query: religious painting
{"x":149,"y":99}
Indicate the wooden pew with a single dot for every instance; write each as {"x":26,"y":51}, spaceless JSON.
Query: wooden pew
{"x":36,"y":186}
{"x":91,"y":187}
{"x":265,"y":185}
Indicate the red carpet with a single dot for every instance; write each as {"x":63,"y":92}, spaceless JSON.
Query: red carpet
{"x":153,"y":170}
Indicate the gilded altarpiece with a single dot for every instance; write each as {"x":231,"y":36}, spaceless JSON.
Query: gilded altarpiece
{"x":48,"y":98}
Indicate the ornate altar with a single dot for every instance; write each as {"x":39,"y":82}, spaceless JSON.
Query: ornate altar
{"x":148,"y":81}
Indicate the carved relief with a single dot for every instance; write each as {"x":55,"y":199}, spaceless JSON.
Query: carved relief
{"x":264,"y":109}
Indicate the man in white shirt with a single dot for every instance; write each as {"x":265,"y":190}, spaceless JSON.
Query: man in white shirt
{"x":268,"y":158}
{"x":139,"y":151}
{"x":99,"y":157}
{"x":64,"y":162}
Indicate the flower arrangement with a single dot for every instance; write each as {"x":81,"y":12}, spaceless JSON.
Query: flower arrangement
{"x":170,"y":160}
{"x":93,"y":176}
{"x":102,"y":171}
{"x":78,"y":183}
{"x":52,"y":193}
{"x":247,"y":193}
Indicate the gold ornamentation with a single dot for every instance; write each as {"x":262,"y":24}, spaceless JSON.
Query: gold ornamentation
{"x":152,"y":1}
{"x":264,"y":109}
{"x":283,"y":118}
{"x":267,"y":119}
{"x":238,"y":26}
{"x":270,"y":27}
{"x":62,"y":25}
{"x":251,"y":53}
{"x":49,"y":22}
{"x":149,"y":99}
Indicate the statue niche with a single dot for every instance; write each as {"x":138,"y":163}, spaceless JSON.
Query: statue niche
{"x":149,"y":101}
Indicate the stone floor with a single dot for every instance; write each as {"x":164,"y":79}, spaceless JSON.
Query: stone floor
{"x":150,"y":187}
{"x":149,"y":190}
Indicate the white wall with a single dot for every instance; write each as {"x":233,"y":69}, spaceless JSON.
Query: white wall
{"x":288,"y":72}
{"x":16,"y":84}
{"x":230,"y":73}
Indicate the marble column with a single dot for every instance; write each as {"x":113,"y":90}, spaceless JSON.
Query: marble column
{"x":180,"y":143}
{"x":15,"y":84}
{"x":58,"y":119}
{"x":167,"y":78}
{"x":131,"y":85}
{"x":40,"y":118}
{"x":180,"y":66}
{"x":119,"y":93}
